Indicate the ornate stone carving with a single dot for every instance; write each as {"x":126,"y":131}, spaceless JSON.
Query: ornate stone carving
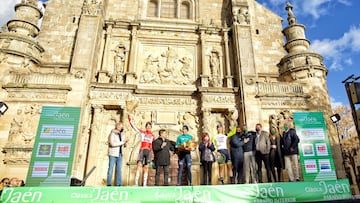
{"x":167,"y":101}
{"x":190,"y":119}
{"x":279,"y":89}
{"x":277,"y":121}
{"x":92,"y":7}
{"x":281,"y":103}
{"x":150,"y":73}
{"x":24,"y":125}
{"x":219,"y":99}
{"x":241,"y":15}
{"x":108,"y":95}
{"x":167,"y":68}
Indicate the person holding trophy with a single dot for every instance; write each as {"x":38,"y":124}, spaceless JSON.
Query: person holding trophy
{"x":147,"y":138}
{"x":184,"y":145}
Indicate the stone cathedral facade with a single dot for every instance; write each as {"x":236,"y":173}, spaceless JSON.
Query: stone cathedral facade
{"x":190,"y":62}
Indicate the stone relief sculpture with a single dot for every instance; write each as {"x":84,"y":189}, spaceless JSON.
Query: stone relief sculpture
{"x":119,"y":64}
{"x":167,"y":68}
{"x":191,"y":120}
{"x":23,"y":126}
{"x":277,"y":121}
{"x":241,"y":16}
{"x":92,"y":7}
{"x":215,"y":76}
{"x":150,"y":73}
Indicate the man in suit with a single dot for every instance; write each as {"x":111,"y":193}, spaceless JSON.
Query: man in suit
{"x":262,"y":146}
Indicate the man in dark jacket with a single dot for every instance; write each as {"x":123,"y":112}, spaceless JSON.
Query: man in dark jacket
{"x":237,"y":154}
{"x":162,"y":147}
{"x":249,"y":155}
{"x":289,"y":143}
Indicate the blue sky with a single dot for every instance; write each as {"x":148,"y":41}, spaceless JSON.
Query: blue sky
{"x":332,"y":26}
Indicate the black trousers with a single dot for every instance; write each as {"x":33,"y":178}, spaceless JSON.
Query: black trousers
{"x":166,"y":175}
{"x":259,"y":158}
{"x":207,"y":169}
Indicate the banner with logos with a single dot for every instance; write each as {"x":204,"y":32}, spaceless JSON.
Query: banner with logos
{"x":314,"y":147}
{"x":255,"y":193}
{"x":53,"y":152}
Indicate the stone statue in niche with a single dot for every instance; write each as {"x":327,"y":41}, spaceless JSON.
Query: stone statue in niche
{"x":215,"y":71}
{"x":119,"y":64}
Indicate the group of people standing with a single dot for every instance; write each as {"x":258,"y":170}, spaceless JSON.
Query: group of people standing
{"x":246,"y":153}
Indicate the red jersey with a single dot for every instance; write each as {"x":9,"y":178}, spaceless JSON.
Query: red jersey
{"x":147,"y":137}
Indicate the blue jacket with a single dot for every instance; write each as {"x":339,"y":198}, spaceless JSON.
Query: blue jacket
{"x":290,"y":140}
{"x":236,"y":145}
{"x":250,"y":146}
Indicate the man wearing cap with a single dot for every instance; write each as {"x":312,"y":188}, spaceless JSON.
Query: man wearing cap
{"x":184,"y":154}
{"x":220,"y":141}
{"x":144,"y":157}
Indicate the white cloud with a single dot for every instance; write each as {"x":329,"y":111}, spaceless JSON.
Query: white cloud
{"x":313,"y":8}
{"x":335,"y":103}
{"x":7,"y":10}
{"x":337,"y":51}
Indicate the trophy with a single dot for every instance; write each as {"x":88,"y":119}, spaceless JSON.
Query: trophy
{"x":131,"y":105}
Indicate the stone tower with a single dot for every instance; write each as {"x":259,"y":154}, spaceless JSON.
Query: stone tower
{"x":188,"y":62}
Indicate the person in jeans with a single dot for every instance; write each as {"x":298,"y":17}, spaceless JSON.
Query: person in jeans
{"x":116,"y":142}
{"x":184,"y":154}
{"x":207,"y":157}
{"x":249,"y":155}
{"x":289,"y":143}
{"x":161,"y":148}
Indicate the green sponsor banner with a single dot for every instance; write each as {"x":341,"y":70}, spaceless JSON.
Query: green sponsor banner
{"x":53,"y":152}
{"x":314,"y":147}
{"x":255,"y":193}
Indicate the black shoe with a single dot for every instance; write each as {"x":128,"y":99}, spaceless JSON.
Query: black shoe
{"x":297,"y":180}
{"x":221,"y":180}
{"x":232,"y":180}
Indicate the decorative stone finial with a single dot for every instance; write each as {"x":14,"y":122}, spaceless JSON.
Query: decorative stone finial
{"x":291,"y":17}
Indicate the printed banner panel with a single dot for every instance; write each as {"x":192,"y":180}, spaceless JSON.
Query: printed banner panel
{"x":54,"y":146}
{"x":314,"y":147}
{"x":255,"y":193}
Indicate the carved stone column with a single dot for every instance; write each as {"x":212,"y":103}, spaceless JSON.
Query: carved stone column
{"x":205,"y":73}
{"x":103,"y":75}
{"x":93,"y":139}
{"x":228,"y":76}
{"x":131,"y":74}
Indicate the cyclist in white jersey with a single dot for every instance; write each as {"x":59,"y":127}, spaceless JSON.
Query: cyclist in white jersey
{"x":220,"y":141}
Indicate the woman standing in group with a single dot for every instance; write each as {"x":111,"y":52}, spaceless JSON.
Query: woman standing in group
{"x":207,"y":157}
{"x":276,"y":159}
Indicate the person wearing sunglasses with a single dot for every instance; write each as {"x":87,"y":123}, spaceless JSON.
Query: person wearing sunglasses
{"x":5,"y":182}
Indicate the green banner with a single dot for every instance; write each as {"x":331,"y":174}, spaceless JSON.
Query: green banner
{"x":314,"y":147}
{"x":53,"y":152}
{"x":255,"y":193}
